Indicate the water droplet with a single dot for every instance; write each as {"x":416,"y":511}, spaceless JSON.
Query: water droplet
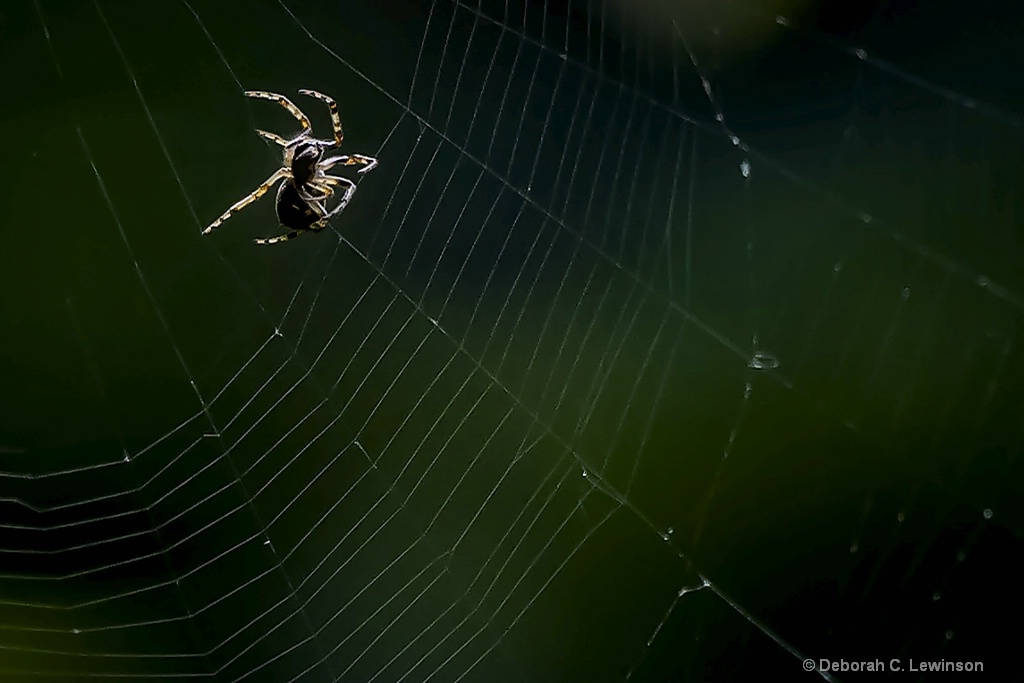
{"x":745,"y":168}
{"x":900,"y":516}
{"x":987,"y":513}
{"x":670,"y":531}
{"x":837,"y":267}
{"x":664,"y":536}
{"x":949,"y":635}
{"x":866,"y":217}
{"x":782,"y":21}
{"x":732,"y":138}
{"x":861,"y":54}
{"x":854,"y":548}
{"x":936,"y":595}
{"x":983,"y":281}
{"x":763,"y":361}
{"x":906,"y":293}
{"x":75,"y":631}
{"x":584,"y":474}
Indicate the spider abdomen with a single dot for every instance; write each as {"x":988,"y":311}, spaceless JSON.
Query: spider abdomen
{"x":293,"y":211}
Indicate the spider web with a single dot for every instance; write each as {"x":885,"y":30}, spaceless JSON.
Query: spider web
{"x":664,"y":344}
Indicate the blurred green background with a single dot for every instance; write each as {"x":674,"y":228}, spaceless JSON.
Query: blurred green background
{"x":642,"y":299}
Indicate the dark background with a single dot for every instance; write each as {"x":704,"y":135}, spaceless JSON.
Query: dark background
{"x":603,"y":374}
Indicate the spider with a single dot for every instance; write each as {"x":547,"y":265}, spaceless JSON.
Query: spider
{"x":302,"y":199}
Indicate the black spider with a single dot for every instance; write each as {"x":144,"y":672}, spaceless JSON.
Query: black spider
{"x":301,"y":201}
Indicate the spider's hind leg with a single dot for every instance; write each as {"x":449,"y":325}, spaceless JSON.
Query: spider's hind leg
{"x":249,"y":198}
{"x":339,"y":135}
{"x":280,"y":238}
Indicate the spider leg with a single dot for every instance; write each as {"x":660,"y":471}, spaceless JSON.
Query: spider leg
{"x":331,"y":162}
{"x":323,"y":190}
{"x":276,"y":139}
{"x":284,"y":102}
{"x":280,"y":238}
{"x":333,"y":106}
{"x":350,"y":189}
{"x":249,"y":198}
{"x":369,"y":163}
{"x":321,"y":194}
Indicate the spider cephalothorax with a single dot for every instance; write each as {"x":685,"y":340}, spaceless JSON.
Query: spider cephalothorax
{"x":301,"y":199}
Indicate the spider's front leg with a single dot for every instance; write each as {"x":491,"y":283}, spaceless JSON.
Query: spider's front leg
{"x":273,"y":137}
{"x":339,"y":135}
{"x":284,"y":102}
{"x":368,"y":163}
{"x":249,"y":199}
